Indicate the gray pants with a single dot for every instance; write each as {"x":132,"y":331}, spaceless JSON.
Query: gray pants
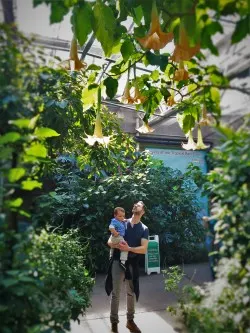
{"x":118,"y":275}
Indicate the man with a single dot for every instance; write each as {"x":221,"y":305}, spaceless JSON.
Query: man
{"x":136,"y":242}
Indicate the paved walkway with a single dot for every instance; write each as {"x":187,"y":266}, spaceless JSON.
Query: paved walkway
{"x":151,"y":315}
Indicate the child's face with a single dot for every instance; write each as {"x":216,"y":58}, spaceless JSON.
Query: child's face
{"x":120,"y":216}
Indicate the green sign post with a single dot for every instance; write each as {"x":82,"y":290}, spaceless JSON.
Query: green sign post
{"x":152,"y":257}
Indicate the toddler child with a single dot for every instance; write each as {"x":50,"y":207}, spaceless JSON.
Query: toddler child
{"x":117,"y":229}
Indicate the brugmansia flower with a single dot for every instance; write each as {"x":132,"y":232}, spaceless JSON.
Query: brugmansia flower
{"x":190,"y":145}
{"x":183,"y":51}
{"x":126,"y":97}
{"x":181,"y":73}
{"x":200,"y":144}
{"x":145,"y":128}
{"x":139,"y":98}
{"x":156,"y":39}
{"x":73,"y":63}
{"x":97,"y":136}
{"x":206,"y":119}
{"x":171,"y":101}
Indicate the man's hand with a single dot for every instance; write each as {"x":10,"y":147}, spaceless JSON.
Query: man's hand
{"x":142,"y":249}
{"x":123,"y":246}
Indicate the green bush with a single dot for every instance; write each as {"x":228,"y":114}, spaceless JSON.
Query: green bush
{"x":224,"y":305}
{"x":43,"y":281}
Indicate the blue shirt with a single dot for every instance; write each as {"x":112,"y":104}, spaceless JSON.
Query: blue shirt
{"x":134,"y":234}
{"x":118,"y":225}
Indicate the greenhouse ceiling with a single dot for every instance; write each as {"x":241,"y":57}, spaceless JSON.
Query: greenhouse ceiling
{"x":56,"y":38}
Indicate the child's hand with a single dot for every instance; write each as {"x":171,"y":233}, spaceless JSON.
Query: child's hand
{"x":115,"y":233}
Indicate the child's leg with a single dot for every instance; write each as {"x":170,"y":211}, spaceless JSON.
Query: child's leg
{"x":124,"y":256}
{"x":114,"y":240}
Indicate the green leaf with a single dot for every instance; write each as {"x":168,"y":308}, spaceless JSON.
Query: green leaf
{"x":9,"y":137}
{"x":9,"y":282}
{"x":15,"y":203}
{"x":6,"y":152}
{"x":15,"y":174}
{"x":37,"y":150}
{"x":81,"y":20}
{"x":58,"y":11}
{"x":188,"y":123}
{"x":45,"y":132}
{"x":226,"y":131}
{"x":206,"y":42}
{"x":93,"y":67}
{"x":215,"y":95}
{"x":33,"y":121}
{"x":122,"y":10}
{"x":127,"y":49}
{"x":137,"y":14}
{"x":25,"y":123}
{"x":104,"y":26}
{"x":155,"y":75}
{"x":29,"y":185}
{"x":21,"y":123}
{"x":111,"y":86}
{"x":157,"y":60}
{"x":241,"y":30}
{"x":227,"y":7}
{"x":89,"y":96}
{"x":214,"y":27}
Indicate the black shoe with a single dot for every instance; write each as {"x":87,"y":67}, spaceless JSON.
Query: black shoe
{"x":133,"y":327}
{"x":114,"y":328}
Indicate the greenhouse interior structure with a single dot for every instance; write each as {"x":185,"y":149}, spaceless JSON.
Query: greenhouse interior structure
{"x":125,"y":166}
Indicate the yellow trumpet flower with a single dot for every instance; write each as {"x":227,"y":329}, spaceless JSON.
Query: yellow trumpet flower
{"x":97,"y":136}
{"x":200,"y":144}
{"x":181,"y":73}
{"x":207,"y":119}
{"x":138,"y":97}
{"x":156,"y":39}
{"x":183,"y":51}
{"x":190,"y":145}
{"x":73,"y":63}
{"x":145,"y":128}
{"x":170,"y":100}
{"x":126,"y":97}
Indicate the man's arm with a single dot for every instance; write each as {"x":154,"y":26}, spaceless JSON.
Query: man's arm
{"x":142,"y":249}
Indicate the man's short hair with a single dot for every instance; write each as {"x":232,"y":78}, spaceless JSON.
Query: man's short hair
{"x":118,"y":209}
{"x":142,"y":203}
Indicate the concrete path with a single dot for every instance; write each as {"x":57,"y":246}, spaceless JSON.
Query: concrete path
{"x":151,"y":315}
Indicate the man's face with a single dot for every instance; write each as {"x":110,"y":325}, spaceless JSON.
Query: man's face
{"x":120,"y":216}
{"x":138,"y":209}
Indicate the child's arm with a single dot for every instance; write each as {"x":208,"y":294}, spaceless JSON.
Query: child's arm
{"x":114,"y":232}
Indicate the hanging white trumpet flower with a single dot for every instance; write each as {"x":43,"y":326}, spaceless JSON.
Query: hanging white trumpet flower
{"x":200,"y":144}
{"x":190,"y":145}
{"x":98,"y":136}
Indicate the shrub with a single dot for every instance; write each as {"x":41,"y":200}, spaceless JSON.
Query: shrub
{"x":224,"y":305}
{"x":43,"y":281}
